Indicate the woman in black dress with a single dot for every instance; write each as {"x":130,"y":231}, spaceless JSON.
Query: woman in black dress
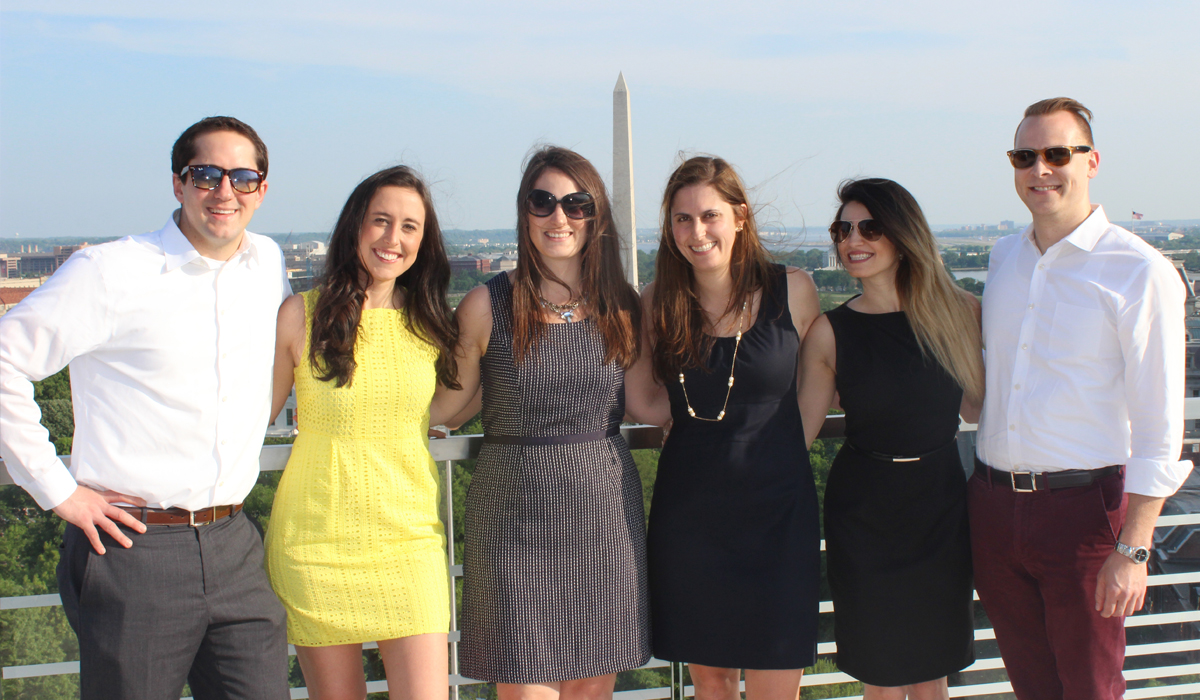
{"x":904,"y":359}
{"x":733,"y":538}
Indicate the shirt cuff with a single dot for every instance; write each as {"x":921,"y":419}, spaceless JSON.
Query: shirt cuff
{"x":1147,"y":477}
{"x":54,"y":485}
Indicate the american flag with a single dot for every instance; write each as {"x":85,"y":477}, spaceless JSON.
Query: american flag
{"x":1137,"y":216}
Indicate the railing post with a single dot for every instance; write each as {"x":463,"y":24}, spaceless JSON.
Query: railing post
{"x":676,"y":680}
{"x":449,"y":489}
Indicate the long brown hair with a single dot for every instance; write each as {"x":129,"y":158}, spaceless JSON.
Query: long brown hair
{"x":343,"y":287}
{"x":611,"y":302}
{"x":939,"y":312}
{"x":679,"y":323}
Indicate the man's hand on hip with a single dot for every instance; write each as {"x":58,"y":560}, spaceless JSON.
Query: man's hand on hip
{"x":88,"y":508}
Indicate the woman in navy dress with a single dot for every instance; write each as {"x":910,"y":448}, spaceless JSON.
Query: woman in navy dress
{"x":733,"y":536}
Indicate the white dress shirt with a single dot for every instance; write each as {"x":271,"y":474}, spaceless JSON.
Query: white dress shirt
{"x":171,"y":360}
{"x":1085,"y":357}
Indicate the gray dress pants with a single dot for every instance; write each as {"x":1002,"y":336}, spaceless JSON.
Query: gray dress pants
{"x":183,"y":603}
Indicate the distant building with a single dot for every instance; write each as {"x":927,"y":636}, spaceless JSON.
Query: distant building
{"x":470,"y":262}
{"x":36,"y":263}
{"x":504,"y":263}
{"x":1006,"y":226}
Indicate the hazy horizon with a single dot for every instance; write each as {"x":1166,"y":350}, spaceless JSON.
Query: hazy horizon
{"x":798,"y":96}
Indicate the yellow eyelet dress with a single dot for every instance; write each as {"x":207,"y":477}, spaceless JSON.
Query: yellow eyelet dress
{"x":355,"y":549}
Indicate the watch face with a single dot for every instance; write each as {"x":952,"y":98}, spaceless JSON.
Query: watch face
{"x":1140,"y":555}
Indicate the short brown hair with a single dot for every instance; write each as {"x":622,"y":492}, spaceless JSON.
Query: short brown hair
{"x":1083,"y":115}
{"x":184,"y":149}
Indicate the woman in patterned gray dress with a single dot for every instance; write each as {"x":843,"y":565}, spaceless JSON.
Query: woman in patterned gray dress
{"x":555,"y":599}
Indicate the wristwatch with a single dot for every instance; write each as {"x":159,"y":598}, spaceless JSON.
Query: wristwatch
{"x":1138,"y":554}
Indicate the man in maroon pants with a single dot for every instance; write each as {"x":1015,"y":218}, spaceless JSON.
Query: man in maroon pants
{"x":1082,"y":426}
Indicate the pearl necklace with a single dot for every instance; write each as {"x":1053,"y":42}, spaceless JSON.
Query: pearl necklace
{"x":565,"y":311}
{"x":737,"y":343}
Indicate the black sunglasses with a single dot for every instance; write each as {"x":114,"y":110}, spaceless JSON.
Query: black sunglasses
{"x":869,"y":229}
{"x":1023,"y":158}
{"x":577,"y":205}
{"x":208,"y":177}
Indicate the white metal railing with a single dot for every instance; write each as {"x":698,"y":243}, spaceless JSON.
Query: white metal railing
{"x":446,"y":451}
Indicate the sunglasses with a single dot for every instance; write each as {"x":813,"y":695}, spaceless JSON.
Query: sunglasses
{"x":577,"y":205}
{"x":208,"y":177}
{"x":1023,"y":158}
{"x":869,"y":229}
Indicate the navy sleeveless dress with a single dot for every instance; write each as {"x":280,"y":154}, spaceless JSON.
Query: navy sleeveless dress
{"x":734,"y":537}
{"x":898,"y":548}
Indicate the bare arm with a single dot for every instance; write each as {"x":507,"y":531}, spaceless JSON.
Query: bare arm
{"x":289,"y":345}
{"x":645,"y":397}
{"x":474,"y":317}
{"x":818,"y":365}
{"x":1121,"y":584}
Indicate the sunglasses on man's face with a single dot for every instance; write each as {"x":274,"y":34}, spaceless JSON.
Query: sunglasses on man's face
{"x":208,"y":177}
{"x":577,"y":205}
{"x":869,"y":229}
{"x":1023,"y":158}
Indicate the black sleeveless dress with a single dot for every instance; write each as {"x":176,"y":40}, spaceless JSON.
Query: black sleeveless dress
{"x":734,"y":538}
{"x":898,"y":549}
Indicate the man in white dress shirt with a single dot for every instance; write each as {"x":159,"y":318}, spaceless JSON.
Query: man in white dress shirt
{"x":1082,"y":425}
{"x":170,"y":341}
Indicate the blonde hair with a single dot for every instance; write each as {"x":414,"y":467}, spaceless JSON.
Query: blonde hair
{"x":940,"y":313}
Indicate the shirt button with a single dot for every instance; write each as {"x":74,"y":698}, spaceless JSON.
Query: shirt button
{"x":1030,"y":306}
{"x":224,"y":399}
{"x":1012,"y":426}
{"x":1024,"y":346}
{"x":1017,"y":387}
{"x":1041,"y":266}
{"x":223,"y":442}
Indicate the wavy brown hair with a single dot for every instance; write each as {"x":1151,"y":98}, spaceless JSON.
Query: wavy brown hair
{"x":420,"y":291}
{"x":681,"y":333}
{"x":939,"y":312}
{"x":611,"y":302}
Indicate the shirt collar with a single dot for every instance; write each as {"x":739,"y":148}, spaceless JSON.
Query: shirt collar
{"x":1084,"y":237}
{"x":179,"y":250}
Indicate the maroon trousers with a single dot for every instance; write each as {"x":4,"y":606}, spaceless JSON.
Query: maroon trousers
{"x":1037,"y":556}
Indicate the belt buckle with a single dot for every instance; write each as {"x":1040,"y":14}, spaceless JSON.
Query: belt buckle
{"x":192,"y":517}
{"x":1032,"y":482}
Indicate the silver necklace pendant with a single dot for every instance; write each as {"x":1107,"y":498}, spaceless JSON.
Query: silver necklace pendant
{"x":568,"y":316}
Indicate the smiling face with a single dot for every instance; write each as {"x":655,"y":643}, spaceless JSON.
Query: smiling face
{"x":1055,"y":194}
{"x":391,"y":232}
{"x":557,"y":237}
{"x":705,"y":226}
{"x":214,"y":221}
{"x":863,"y":258}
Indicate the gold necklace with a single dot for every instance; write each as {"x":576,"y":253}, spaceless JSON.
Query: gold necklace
{"x":732,"y":364}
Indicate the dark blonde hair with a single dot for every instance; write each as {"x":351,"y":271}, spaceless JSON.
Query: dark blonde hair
{"x":939,"y":312}
{"x":678,"y":319}
{"x":611,"y":302}
{"x":1082,"y":114}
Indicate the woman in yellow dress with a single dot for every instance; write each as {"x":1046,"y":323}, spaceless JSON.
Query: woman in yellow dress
{"x":355,"y":549}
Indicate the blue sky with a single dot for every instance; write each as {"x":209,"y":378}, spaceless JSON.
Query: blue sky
{"x":798,"y":95}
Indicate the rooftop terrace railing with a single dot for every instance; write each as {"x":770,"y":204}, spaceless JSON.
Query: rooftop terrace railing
{"x":1163,"y":653}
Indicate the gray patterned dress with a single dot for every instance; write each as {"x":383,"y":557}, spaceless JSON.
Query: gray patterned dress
{"x":555,"y":584}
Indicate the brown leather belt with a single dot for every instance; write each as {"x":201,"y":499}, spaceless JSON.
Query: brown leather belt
{"x":179,"y":516}
{"x":1028,"y":482}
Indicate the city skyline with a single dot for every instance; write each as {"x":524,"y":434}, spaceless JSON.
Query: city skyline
{"x":797,"y":97}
